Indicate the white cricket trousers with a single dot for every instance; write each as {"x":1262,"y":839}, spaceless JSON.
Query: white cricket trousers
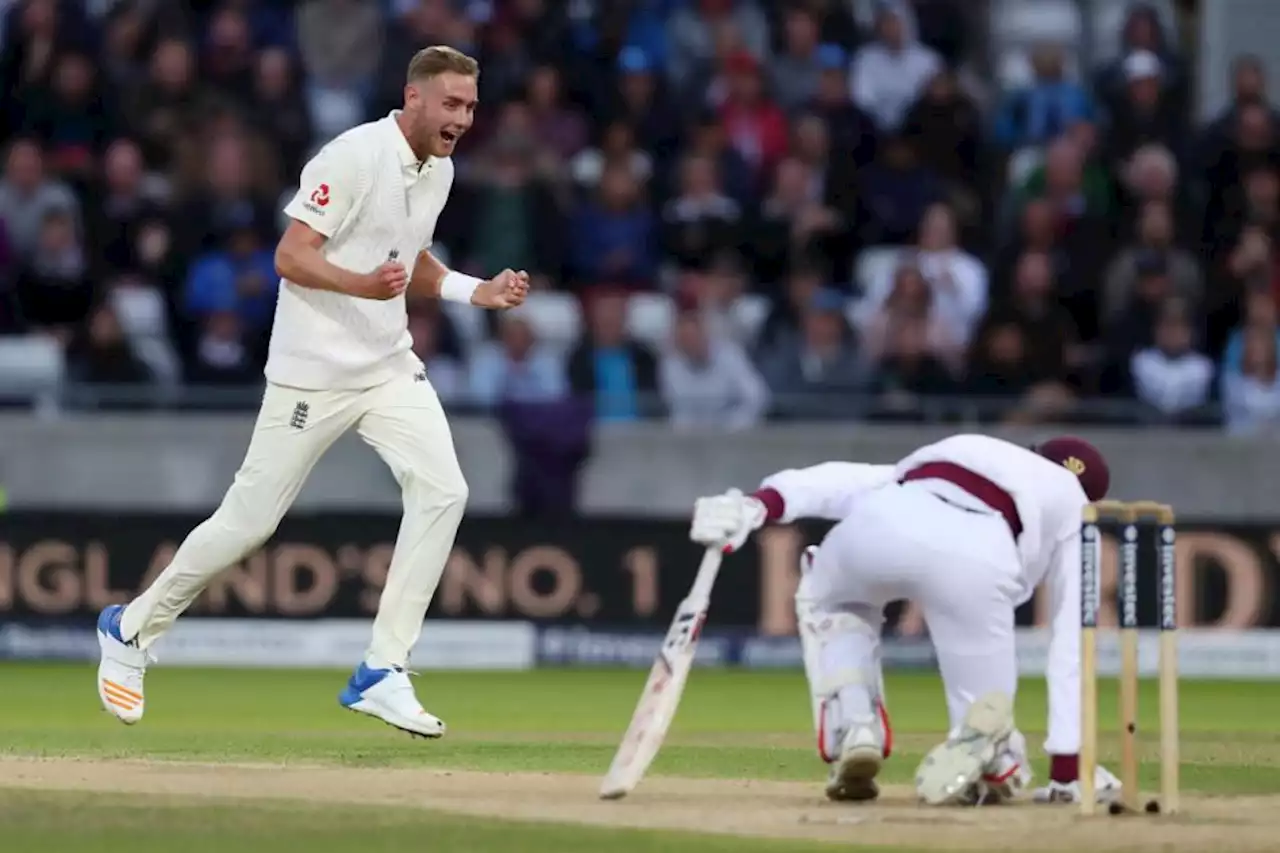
{"x":960,"y":566}
{"x":404,"y":422}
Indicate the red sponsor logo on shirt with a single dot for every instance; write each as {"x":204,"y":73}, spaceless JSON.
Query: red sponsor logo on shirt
{"x":320,"y":195}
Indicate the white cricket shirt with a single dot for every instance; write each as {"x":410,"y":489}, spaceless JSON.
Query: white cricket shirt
{"x":369,"y":195}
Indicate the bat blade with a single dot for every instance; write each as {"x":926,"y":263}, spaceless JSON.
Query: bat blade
{"x":663,"y":688}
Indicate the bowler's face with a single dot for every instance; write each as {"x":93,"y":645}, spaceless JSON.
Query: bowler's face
{"x":443,"y":109}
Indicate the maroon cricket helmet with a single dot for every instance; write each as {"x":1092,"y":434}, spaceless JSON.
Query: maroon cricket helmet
{"x":1082,"y":459}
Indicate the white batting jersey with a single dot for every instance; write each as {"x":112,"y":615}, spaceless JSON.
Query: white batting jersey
{"x":1049,"y":500}
{"x":374,"y":201}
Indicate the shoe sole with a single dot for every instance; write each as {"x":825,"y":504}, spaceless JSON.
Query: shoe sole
{"x":950,"y":768}
{"x":856,"y":776}
{"x":411,"y":732}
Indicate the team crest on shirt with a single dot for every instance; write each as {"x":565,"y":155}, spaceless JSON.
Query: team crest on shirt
{"x":1074,"y":465}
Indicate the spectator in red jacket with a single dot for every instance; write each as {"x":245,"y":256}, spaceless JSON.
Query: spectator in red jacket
{"x":756,"y":126}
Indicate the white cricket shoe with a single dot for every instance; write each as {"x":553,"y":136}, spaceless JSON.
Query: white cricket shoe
{"x":120,"y":669}
{"x":1005,"y":778}
{"x":1107,"y":789}
{"x":388,"y":695}
{"x":948,"y":773}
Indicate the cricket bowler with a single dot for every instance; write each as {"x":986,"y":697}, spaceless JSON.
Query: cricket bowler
{"x":966,"y":528}
{"x":358,"y":242}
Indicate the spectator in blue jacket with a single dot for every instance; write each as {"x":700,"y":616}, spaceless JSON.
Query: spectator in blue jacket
{"x":612,"y":238}
{"x":1043,"y":110}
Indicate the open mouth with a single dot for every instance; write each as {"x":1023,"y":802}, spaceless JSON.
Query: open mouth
{"x":449,"y":136}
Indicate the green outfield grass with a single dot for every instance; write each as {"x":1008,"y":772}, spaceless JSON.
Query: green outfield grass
{"x":731,"y":724}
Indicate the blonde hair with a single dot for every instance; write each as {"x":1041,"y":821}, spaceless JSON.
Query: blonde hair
{"x":441,"y":59}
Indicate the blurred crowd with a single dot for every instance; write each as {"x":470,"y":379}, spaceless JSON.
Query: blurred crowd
{"x":731,"y":209}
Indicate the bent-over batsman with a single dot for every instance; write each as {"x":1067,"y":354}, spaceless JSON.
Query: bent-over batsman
{"x":340,"y":358}
{"x":966,"y":528}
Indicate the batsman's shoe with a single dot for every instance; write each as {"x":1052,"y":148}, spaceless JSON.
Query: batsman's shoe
{"x":862,"y":753}
{"x":121,"y":668}
{"x":1107,"y":789}
{"x":948,"y":773}
{"x":1005,"y":778}
{"x":388,"y":695}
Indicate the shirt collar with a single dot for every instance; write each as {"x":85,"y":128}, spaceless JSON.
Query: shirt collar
{"x":407,"y":158}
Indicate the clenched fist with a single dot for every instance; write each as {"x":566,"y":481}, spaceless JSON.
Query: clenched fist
{"x":386,"y":282}
{"x":507,"y":289}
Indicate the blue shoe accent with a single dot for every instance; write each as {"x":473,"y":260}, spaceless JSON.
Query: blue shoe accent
{"x":361,"y":680}
{"x":109,"y":621}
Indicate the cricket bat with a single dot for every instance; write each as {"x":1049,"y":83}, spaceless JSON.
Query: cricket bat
{"x":662,"y":691}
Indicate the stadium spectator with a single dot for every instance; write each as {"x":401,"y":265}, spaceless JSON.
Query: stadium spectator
{"x":791,"y":226}
{"x":1253,"y":143}
{"x":166,"y":108}
{"x":1152,"y":175}
{"x":613,"y":236}
{"x":893,"y":194}
{"x":1155,"y":236}
{"x":945,"y":125}
{"x":124,"y":198}
{"x":341,"y":43}
{"x":607,"y":367}
{"x":28,"y":195}
{"x":516,"y":367}
{"x":226,"y":64}
{"x":1143,"y":32}
{"x":558,"y":126}
{"x":71,"y":118}
{"x":702,"y":220}
{"x":279,"y":108}
{"x":1146,"y":114}
{"x":910,"y":301}
{"x":852,"y":131}
{"x":708,"y":138}
{"x":959,"y":281}
{"x":1052,"y":340}
{"x":1043,"y":110}
{"x":1001,"y":375}
{"x":222,"y":184}
{"x":795,"y":71}
{"x":889,"y":72}
{"x":1131,"y":328}
{"x":237,"y":278}
{"x":1171,"y":377}
{"x":753,"y":123}
{"x":1251,"y":391}
{"x":641,"y":100}
{"x":694,"y":32}
{"x":780,"y":331}
{"x":1260,"y":311}
{"x":55,"y":292}
{"x":824,"y":360}
{"x":99,"y":353}
{"x":616,"y":144}
{"x":908,"y":369}
{"x":1248,"y":88}
{"x":707,"y":381}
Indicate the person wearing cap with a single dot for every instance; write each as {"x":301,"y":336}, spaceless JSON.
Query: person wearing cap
{"x":967,"y":528}
{"x":1144,"y":114}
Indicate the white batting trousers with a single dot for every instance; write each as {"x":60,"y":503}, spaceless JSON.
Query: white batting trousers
{"x":404,"y":422}
{"x":960,"y":567}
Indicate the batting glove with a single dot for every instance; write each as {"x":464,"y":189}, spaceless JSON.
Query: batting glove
{"x":726,"y":521}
